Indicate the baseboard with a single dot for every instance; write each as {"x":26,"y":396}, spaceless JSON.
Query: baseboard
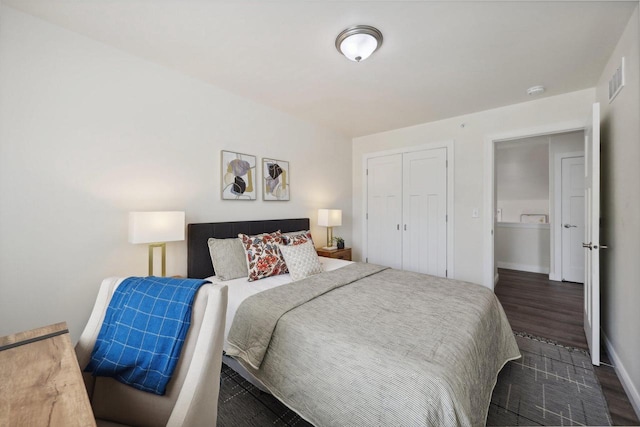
{"x":623,"y":376}
{"x":523,"y":267}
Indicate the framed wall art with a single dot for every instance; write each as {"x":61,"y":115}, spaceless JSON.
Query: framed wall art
{"x":238,"y":180}
{"x":275,"y":180}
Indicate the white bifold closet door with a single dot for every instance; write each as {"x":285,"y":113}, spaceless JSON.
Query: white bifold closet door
{"x":424,"y":242}
{"x":384,"y":204}
{"x":407,"y":211}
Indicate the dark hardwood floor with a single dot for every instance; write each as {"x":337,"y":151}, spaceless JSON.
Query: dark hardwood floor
{"x":553,"y":310}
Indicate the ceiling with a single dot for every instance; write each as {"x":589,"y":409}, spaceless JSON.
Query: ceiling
{"x":438,"y":59}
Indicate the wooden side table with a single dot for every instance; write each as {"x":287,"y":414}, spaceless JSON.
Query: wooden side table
{"x":40,"y":380}
{"x":344,"y":254}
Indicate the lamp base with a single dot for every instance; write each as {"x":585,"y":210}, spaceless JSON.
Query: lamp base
{"x":330,"y":248}
{"x":164,"y":257}
{"x":329,"y":238}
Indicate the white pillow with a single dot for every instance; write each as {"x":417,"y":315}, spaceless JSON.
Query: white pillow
{"x":302,"y":260}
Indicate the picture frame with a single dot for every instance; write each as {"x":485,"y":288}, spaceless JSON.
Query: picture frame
{"x":237,"y":176}
{"x":276,"y":180}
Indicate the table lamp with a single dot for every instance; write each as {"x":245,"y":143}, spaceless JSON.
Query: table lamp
{"x":156,"y":228}
{"x":329,"y":218}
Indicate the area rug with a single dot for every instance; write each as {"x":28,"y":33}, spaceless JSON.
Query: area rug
{"x":241,"y":404}
{"x":550,"y":385}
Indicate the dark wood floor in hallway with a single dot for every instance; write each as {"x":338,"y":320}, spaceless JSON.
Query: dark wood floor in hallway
{"x":553,"y":310}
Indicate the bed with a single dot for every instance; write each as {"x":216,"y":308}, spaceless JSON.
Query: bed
{"x":361,"y":344}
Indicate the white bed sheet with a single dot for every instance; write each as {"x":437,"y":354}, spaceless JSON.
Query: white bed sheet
{"x":241,"y":289}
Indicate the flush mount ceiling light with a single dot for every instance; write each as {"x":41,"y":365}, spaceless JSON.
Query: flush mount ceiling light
{"x":535,"y":90}
{"x":359,"y":42}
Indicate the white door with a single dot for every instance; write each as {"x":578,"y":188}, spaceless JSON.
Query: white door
{"x":384,"y":210}
{"x":592,"y":235}
{"x":573,"y":216}
{"x":425,"y":212}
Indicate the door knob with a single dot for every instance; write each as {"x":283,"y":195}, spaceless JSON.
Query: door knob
{"x":591,"y":246}
{"x":569,"y":226}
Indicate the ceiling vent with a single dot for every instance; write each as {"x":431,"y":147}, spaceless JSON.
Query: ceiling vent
{"x":617,"y":81}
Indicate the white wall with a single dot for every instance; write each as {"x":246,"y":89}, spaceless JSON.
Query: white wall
{"x":620,"y":204}
{"x":522,"y":177}
{"x":469,"y":139}
{"x":523,"y":247}
{"x":89,"y":133}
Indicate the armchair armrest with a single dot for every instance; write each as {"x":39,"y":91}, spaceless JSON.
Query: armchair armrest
{"x":193,"y":406}
{"x":89,"y":335}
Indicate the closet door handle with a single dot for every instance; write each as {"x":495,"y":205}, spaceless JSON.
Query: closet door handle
{"x":398,"y":227}
{"x":405,"y":227}
{"x":569,"y":226}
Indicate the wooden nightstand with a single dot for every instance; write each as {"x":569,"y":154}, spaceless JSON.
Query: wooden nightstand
{"x":344,"y":254}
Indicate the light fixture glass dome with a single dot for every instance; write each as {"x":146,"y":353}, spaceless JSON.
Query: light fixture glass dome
{"x":359,"y":42}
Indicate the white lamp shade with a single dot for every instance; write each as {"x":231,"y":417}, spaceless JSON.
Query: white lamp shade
{"x":358,"y":47}
{"x":156,"y":227}
{"x":329,"y":217}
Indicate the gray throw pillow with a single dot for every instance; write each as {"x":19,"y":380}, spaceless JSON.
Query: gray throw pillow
{"x":228,"y":258}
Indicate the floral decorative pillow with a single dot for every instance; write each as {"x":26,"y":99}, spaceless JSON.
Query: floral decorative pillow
{"x":263,"y":255}
{"x":296,"y":237}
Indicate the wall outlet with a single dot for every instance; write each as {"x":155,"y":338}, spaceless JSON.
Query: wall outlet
{"x":475,"y":213}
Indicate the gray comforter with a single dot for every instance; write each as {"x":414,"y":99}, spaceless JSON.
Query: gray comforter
{"x":369,"y":346}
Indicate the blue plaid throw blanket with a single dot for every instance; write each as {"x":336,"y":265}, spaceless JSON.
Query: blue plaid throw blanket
{"x":143,"y":331}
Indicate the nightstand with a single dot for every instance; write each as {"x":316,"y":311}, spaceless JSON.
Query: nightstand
{"x":344,"y":254}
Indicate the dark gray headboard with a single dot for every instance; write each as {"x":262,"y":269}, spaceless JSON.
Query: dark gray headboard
{"x":198,"y":259}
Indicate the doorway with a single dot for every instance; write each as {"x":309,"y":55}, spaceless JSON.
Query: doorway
{"x":525,"y":219}
{"x":591,"y":132}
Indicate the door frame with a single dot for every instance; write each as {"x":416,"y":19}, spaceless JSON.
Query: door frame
{"x":557,"y":226}
{"x":489,"y":274}
{"x":449,"y":145}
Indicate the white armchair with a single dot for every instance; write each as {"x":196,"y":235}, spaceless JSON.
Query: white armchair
{"x":192,"y":394}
